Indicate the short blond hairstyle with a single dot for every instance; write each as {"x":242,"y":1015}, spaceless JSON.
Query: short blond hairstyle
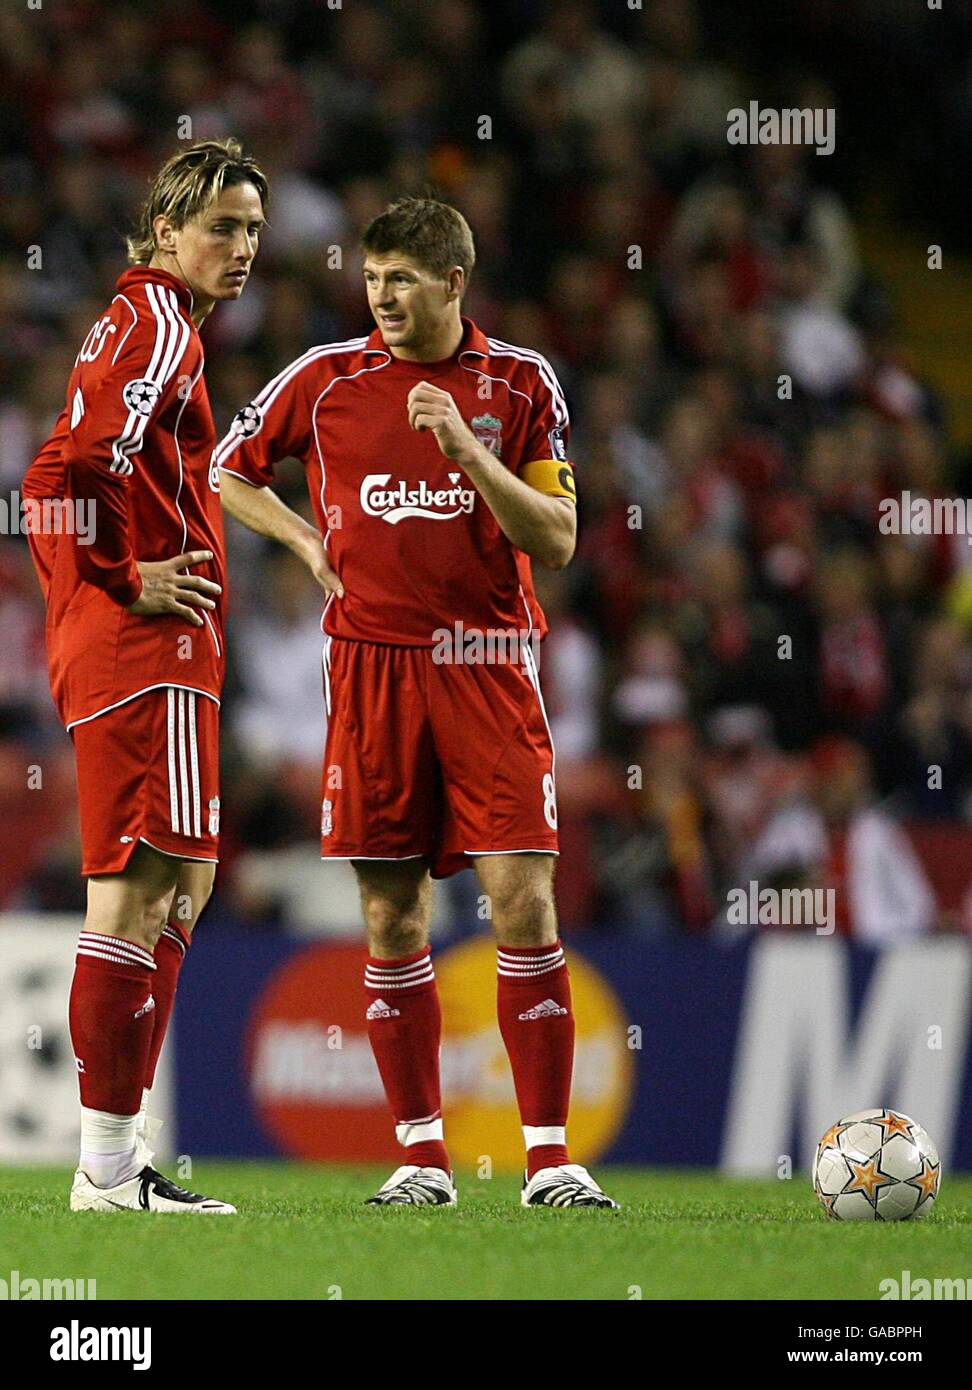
{"x":187,"y":184}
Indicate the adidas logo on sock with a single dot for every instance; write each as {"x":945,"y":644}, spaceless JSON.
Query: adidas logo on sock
{"x":146,"y":1007}
{"x":379,"y":1009}
{"x":548,"y":1009}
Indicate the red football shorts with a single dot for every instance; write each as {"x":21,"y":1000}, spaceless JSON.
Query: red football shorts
{"x":446,"y":761}
{"x":149,"y":771}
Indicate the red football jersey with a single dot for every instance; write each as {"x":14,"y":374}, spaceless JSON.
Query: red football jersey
{"x":134,"y":442}
{"x":417,"y":548}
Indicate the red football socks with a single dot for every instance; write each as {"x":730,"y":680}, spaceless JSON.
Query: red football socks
{"x":405,"y":1031}
{"x":111,"y":1015}
{"x":537,"y":1025}
{"x":170,"y":952}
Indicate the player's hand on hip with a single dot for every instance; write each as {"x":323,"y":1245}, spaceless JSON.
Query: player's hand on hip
{"x":168,"y":588}
{"x":315,"y":557}
{"x":430,"y":408}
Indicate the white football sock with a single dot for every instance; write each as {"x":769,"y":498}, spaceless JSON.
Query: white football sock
{"x":107,"y":1147}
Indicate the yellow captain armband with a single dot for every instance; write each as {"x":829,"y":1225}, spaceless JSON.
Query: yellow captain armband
{"x":551,"y":477}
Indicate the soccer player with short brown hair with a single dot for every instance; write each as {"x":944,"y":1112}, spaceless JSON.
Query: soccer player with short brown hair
{"x":436,"y":461}
{"x":135,"y":645}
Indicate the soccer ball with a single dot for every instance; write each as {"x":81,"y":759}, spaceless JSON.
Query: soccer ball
{"x":876,"y":1165}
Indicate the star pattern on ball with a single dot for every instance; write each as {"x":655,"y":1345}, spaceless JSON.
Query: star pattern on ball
{"x":867,"y":1178}
{"x":881,"y":1173}
{"x":893,"y":1123}
{"x":927,"y":1179}
{"x":831,"y":1136}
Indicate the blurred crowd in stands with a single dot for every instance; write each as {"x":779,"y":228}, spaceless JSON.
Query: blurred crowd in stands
{"x":745,"y":678}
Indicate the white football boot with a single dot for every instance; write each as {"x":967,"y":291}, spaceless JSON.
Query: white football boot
{"x":410,"y":1186}
{"x":568,"y":1185}
{"x":146,"y":1191}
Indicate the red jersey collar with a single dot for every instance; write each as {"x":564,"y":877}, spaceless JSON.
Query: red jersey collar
{"x":473,"y":340}
{"x":138,"y":274}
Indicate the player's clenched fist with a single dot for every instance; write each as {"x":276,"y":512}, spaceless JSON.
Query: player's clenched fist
{"x":167,"y":588}
{"x":430,"y":408}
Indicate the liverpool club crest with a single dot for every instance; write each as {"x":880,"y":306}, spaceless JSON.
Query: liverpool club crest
{"x":489,"y":431}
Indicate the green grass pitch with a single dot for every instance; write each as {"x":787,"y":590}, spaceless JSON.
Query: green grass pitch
{"x":303,"y":1233}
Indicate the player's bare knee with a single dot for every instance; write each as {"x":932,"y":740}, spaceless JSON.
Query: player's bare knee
{"x":397,"y":925}
{"x":521,"y":899}
{"x":524,"y":915}
{"x":393,"y":940}
{"x":396,"y":903}
{"x":133,"y":904}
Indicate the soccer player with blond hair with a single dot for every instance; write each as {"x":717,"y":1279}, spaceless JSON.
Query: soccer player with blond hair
{"x":436,"y":461}
{"x":135,"y":646}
